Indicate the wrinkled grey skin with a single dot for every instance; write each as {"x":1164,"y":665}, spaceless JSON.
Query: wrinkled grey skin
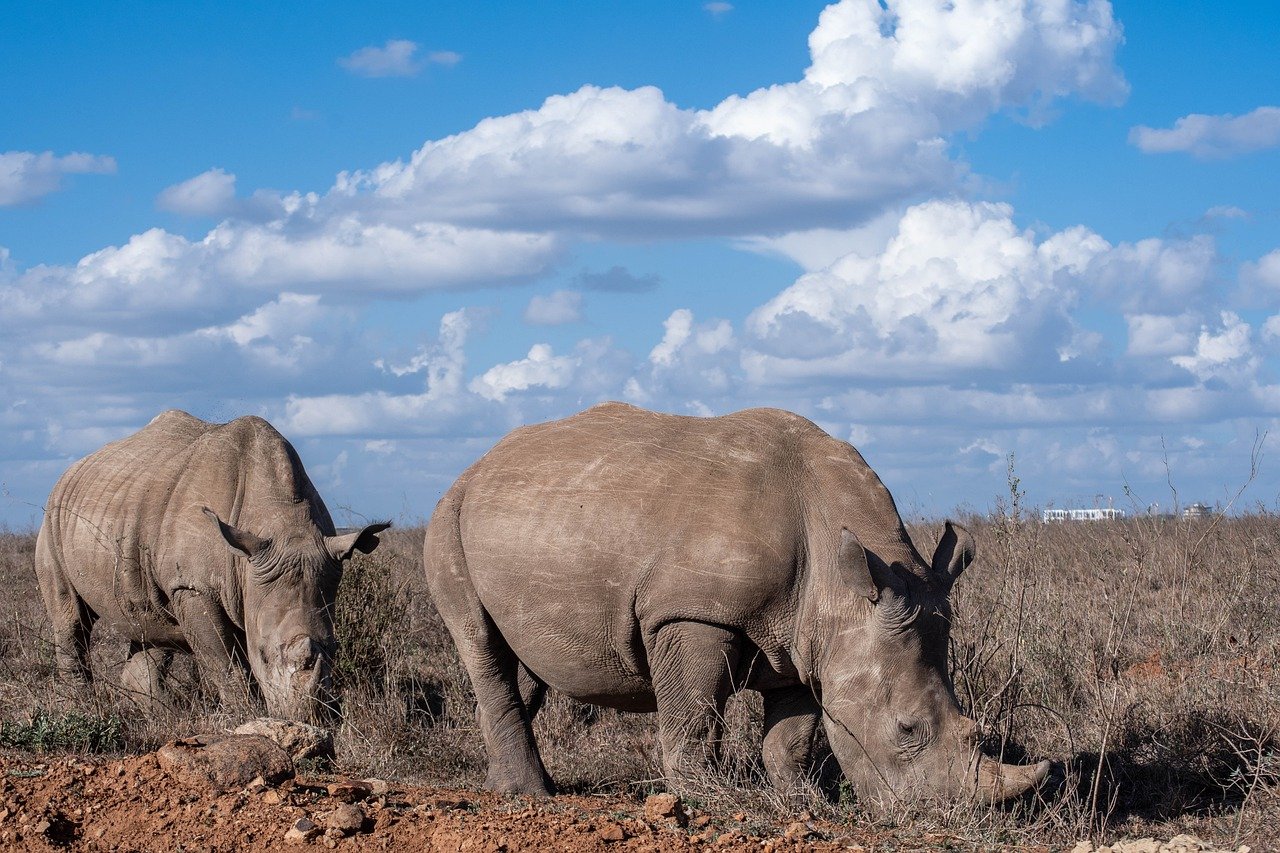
{"x":204,"y":538}
{"x":647,"y":562}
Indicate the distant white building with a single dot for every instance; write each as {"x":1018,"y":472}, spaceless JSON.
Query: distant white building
{"x":1095,"y":514}
{"x":1197,"y":510}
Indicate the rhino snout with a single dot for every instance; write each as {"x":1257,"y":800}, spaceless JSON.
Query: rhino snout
{"x":304,"y":653}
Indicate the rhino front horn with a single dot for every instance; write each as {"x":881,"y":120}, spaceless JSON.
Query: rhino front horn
{"x":998,"y":782}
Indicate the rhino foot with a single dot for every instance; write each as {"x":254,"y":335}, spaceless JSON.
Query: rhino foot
{"x":503,"y":783}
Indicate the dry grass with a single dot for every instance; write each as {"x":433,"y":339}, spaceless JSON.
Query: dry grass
{"x":1140,"y":654}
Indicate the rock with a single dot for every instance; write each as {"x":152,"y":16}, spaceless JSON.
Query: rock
{"x":302,"y":831}
{"x":346,"y":819}
{"x":1140,"y":845}
{"x":797,"y":830}
{"x":378,"y":787}
{"x":662,"y":807}
{"x":300,"y":740}
{"x":611,"y":831}
{"x":227,"y":762}
{"x":1083,"y":847}
{"x":350,"y":791}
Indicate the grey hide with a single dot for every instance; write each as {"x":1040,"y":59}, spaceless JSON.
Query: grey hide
{"x":654,"y":562}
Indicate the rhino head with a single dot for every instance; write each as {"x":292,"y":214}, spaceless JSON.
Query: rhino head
{"x":287,"y":596}
{"x":890,"y":710}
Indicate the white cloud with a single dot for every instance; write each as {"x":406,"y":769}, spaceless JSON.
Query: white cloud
{"x":554,"y":309}
{"x":1226,"y":211}
{"x":170,"y":279}
{"x":26,"y":176}
{"x":1264,"y":273}
{"x":542,"y":368}
{"x":1159,"y":334}
{"x":445,"y":361}
{"x":1226,"y":354}
{"x":718,"y":8}
{"x":444,"y":57}
{"x":1157,"y":276}
{"x":210,"y":193}
{"x":959,"y":288}
{"x":393,"y":59}
{"x":863,"y":129}
{"x":1213,"y":136}
{"x":677,"y":328}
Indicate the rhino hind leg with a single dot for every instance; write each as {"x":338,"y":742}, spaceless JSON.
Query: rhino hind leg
{"x":507,"y":697}
{"x":791,"y":717}
{"x":72,"y":618}
{"x":692,"y":666}
{"x":532,"y":691}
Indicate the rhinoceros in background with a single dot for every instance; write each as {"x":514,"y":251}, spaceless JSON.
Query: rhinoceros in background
{"x":199,"y":537}
{"x":647,"y":562}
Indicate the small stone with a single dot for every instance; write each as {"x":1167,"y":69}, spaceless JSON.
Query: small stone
{"x":350,"y":791}
{"x":611,"y":831}
{"x":1083,"y":847}
{"x":1142,"y":845}
{"x":300,"y":740}
{"x":378,"y":787}
{"x":302,"y":831}
{"x":797,"y":830}
{"x":257,"y":786}
{"x":660,"y":807}
{"x":346,"y":819}
{"x":272,"y":797}
{"x":42,"y":826}
{"x":700,"y":821}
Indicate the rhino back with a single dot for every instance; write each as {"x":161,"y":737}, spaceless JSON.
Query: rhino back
{"x":583,"y":535}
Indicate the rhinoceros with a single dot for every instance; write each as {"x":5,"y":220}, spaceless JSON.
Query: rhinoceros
{"x":653,"y":562}
{"x":202,"y":538}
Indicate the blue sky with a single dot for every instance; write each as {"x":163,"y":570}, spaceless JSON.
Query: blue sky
{"x":945,"y":231}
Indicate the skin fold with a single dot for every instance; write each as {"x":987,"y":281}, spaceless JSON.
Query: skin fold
{"x":652,"y":562}
{"x":204,"y":538}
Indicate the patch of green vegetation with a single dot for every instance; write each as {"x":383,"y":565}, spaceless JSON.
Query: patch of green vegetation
{"x":67,"y":732}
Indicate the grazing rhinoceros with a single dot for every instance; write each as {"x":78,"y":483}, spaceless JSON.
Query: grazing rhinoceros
{"x":199,"y":537}
{"x":647,"y":562}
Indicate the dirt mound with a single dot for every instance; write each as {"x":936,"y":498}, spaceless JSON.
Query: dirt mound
{"x":135,"y":805}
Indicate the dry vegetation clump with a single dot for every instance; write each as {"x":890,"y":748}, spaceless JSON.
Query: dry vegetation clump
{"x":1140,"y":654}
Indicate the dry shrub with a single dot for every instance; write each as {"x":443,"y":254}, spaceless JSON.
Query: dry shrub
{"x":1142,"y":655}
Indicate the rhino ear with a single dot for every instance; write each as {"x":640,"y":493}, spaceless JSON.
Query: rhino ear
{"x":954,"y":553}
{"x":240,"y":541}
{"x":869,"y":576}
{"x":364,"y":541}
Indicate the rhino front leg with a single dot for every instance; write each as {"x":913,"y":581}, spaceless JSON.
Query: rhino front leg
{"x":212,"y":638}
{"x":791,"y":717}
{"x":692,"y":666}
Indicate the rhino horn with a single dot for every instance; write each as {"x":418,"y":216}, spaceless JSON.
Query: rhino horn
{"x":998,"y":782}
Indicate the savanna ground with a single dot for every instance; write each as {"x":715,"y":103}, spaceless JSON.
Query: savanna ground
{"x":1141,"y":654}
